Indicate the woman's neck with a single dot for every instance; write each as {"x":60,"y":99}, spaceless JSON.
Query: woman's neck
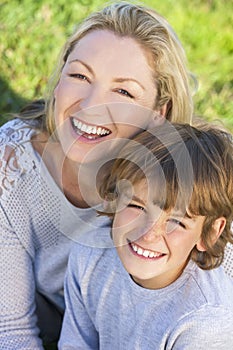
{"x":78,"y":182}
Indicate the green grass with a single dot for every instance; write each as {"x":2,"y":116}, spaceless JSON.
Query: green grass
{"x":32,"y":33}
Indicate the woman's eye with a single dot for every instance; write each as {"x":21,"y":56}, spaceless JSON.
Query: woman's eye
{"x":125,"y":92}
{"x":78,"y":76}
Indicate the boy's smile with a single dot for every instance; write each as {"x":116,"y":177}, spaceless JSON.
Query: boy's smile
{"x":144,"y":253}
{"x":153,"y":244}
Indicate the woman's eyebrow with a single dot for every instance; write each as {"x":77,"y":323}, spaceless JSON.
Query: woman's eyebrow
{"x":116,"y":80}
{"x":76,"y":60}
{"x":122,"y":80}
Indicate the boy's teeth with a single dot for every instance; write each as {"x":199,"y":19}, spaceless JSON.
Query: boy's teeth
{"x":145,"y":253}
{"x":89,"y":129}
{"x":151,"y":254}
{"x":140,"y":251}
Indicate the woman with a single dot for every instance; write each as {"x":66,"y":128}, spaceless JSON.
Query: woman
{"x":122,"y":71}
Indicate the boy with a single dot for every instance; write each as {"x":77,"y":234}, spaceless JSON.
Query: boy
{"x":170,"y":199}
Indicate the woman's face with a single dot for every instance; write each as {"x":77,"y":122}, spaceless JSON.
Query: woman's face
{"x":106,"y":94}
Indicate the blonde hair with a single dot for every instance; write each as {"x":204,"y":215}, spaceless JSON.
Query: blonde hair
{"x":153,"y":33}
{"x":196,"y":178}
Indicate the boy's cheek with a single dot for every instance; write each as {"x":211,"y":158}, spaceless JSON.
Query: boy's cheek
{"x":117,"y":237}
{"x":127,"y":226}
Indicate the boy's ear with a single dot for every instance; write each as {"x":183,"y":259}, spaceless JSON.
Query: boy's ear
{"x":217,"y":229}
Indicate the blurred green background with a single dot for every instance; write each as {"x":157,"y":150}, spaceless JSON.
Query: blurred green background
{"x":32,"y":33}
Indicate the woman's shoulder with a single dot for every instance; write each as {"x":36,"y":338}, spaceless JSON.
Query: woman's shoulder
{"x":16,"y":153}
{"x":15,"y":131}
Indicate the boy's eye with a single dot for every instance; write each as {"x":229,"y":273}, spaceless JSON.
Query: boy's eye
{"x":173,"y":224}
{"x":136,"y":206}
{"x":125,"y":92}
{"x":78,"y":76}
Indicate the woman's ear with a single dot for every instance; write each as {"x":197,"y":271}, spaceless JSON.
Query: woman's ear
{"x":156,"y":119}
{"x":163,"y":110}
{"x":217,"y":229}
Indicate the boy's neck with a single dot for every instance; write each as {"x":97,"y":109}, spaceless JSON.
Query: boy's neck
{"x":160,"y":282}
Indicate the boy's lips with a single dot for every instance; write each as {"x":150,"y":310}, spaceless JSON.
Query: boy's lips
{"x":145,"y":253}
{"x":89,"y":131}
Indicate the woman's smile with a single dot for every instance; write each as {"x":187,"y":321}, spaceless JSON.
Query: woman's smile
{"x":102,"y":95}
{"x":87,"y":131}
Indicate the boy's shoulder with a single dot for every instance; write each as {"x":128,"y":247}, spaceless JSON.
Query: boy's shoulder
{"x":89,"y":260}
{"x":203,"y":310}
{"x":84,"y":250}
{"x":208,"y":285}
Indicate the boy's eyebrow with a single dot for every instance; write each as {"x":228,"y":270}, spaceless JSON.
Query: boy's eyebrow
{"x":178,"y":214}
{"x":184,"y":215}
{"x":158,"y":204}
{"x":137,"y":199}
{"x":194,"y":218}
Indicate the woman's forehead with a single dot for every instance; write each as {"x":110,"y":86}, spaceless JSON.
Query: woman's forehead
{"x":106,"y":44}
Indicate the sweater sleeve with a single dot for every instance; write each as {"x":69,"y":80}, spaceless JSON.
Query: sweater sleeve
{"x":78,"y":331}
{"x":207,"y":328}
{"x":18,"y":330}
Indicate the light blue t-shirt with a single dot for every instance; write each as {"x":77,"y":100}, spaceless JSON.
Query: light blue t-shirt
{"x":107,"y":310}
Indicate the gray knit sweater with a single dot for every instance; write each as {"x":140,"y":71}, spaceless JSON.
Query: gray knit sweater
{"x":37,"y":228}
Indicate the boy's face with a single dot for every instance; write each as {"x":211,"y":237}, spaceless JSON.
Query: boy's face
{"x":153,"y":245}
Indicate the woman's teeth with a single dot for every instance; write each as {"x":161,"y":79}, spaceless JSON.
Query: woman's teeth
{"x":89,"y":129}
{"x":146,"y":253}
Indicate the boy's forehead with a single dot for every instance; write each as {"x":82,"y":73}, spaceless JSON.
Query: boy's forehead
{"x":130,"y":189}
{"x":145,"y":190}
{"x":155,"y":193}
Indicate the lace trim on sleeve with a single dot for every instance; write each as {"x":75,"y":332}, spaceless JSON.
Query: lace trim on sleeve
{"x":15,"y":154}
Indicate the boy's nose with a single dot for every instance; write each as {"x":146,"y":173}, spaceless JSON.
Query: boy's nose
{"x":154,"y":232}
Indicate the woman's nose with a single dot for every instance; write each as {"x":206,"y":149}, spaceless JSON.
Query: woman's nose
{"x":93,"y":100}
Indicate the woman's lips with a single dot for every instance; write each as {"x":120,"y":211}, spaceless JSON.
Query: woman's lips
{"x":91,"y":132}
